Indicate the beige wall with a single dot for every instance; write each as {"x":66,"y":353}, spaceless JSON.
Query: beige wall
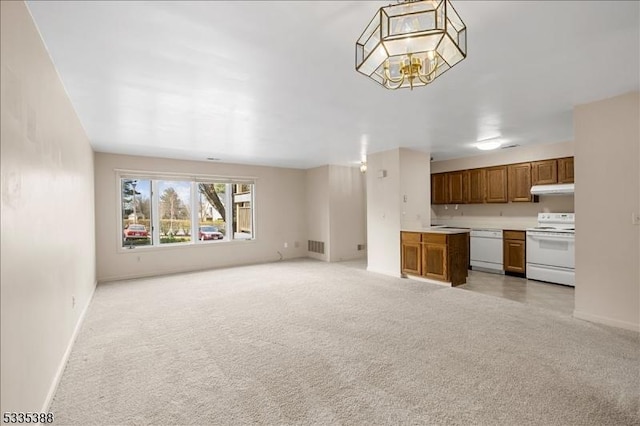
{"x":383,"y":213}
{"x":607,"y":169}
{"x":279,"y":211}
{"x":317,"y":209}
{"x":507,"y":215}
{"x":407,"y":173}
{"x":415,"y":189}
{"x":502,"y":215}
{"x":336,"y":213}
{"x":48,"y":244}
{"x":348,"y":217}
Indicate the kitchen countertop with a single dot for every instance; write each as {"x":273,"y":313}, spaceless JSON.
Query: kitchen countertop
{"x":438,"y":230}
{"x":492,"y":226}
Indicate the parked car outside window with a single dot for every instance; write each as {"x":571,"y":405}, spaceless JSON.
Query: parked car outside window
{"x":209,"y":233}
{"x":135,"y":231}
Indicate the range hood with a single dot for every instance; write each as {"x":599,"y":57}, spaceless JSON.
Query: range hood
{"x":559,"y":189}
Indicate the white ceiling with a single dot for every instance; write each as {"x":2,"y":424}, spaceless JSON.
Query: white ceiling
{"x":274,"y":83}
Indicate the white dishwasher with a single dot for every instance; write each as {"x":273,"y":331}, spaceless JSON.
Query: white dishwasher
{"x":486,"y":250}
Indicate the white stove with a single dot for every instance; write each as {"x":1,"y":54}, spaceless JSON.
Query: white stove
{"x":551,"y":249}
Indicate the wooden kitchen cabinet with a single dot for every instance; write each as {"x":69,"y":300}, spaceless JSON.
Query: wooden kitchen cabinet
{"x":434,"y":257}
{"x":499,"y":184}
{"x":445,"y":257}
{"x":410,"y":254}
{"x":565,"y":170}
{"x":519,"y":182}
{"x":438,"y":256}
{"x":544,"y":172}
{"x":439,"y":188}
{"x":457,"y":187}
{"x":514,"y":251}
{"x":496,"y":180}
{"x":476,"y":189}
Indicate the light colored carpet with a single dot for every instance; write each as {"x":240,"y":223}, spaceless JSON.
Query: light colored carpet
{"x":306,"y":342}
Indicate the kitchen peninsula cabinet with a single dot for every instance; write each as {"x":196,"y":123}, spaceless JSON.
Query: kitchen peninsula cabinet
{"x":514,"y":251}
{"x":519,"y":182}
{"x":441,"y":254}
{"x":410,"y":256}
{"x":565,"y":170}
{"x":496,"y":184}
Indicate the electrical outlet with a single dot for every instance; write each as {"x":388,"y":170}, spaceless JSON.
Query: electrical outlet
{"x":635,"y":218}
{"x":73,"y":301}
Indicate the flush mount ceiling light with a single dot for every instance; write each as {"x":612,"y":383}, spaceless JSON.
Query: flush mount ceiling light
{"x":411,"y":43}
{"x":489,"y":144}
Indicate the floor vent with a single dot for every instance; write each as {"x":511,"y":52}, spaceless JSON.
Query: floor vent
{"x":361,"y":247}
{"x":316,"y":246}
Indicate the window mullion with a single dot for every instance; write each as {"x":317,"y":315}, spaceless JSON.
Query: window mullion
{"x":229,"y":211}
{"x":155,"y":213}
{"x":195,"y":212}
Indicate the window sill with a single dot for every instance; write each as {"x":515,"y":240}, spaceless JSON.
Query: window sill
{"x":180,"y":246}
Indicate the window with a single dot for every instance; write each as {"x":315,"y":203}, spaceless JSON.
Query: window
{"x":174,"y":206}
{"x":136,"y":212}
{"x":213,"y":211}
{"x":179,"y":211}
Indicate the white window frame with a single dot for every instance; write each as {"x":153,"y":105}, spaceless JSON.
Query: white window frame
{"x":194,"y":180}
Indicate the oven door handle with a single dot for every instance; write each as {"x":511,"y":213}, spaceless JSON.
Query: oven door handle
{"x":552,"y":237}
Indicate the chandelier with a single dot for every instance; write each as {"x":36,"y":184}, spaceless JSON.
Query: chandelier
{"x":411,"y":43}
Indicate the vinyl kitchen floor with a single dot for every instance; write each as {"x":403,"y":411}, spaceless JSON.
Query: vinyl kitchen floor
{"x":545,"y":295}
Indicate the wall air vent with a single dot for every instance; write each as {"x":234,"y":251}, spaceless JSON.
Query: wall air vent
{"x":509,"y":146}
{"x":315,"y":246}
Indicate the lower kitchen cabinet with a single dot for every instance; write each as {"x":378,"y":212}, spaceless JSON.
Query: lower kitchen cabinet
{"x":438,"y":256}
{"x":434,"y":256}
{"x":514,"y":251}
{"x":410,"y":255}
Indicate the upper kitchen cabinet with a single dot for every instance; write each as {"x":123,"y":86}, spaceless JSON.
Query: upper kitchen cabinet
{"x":476,"y":188}
{"x":544,"y":172}
{"x":457,"y":187}
{"x":439,"y":188}
{"x":565,"y":170}
{"x":499,"y":184}
{"x":496,"y":180}
{"x":520,"y":182}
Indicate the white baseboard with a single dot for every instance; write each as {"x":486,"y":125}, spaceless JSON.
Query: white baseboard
{"x":383,"y":272}
{"x":202,"y":268}
{"x":429,"y":280}
{"x":606,"y":321}
{"x":67,"y":353}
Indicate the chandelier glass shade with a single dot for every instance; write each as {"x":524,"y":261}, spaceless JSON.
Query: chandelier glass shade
{"x":411,"y":43}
